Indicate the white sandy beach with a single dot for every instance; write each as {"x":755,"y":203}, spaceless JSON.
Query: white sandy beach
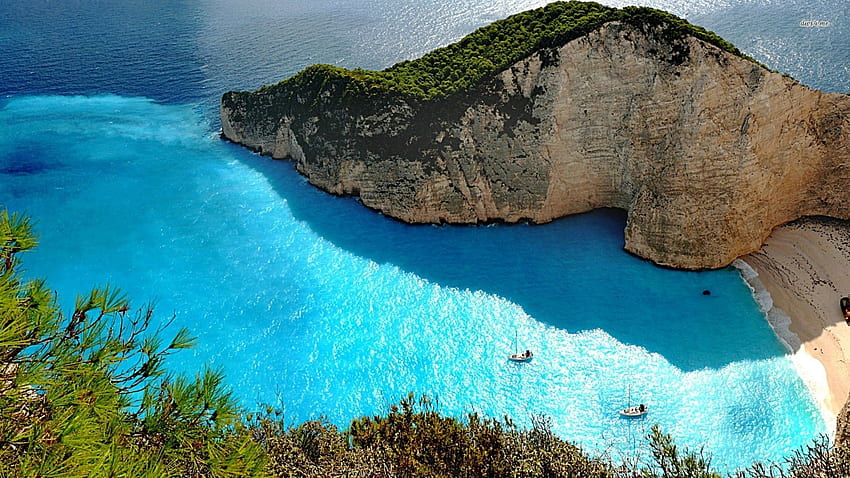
{"x":805,"y":266}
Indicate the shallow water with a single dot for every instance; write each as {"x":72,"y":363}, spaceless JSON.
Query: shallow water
{"x":320,"y":305}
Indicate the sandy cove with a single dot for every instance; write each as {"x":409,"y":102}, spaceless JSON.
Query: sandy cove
{"x":805,"y":267}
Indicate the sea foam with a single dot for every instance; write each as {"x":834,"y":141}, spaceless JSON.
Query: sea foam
{"x":811,"y":370}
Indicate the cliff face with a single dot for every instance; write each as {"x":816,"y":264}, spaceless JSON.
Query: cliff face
{"x":706,"y":150}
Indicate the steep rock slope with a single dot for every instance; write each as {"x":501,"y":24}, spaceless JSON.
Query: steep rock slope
{"x":706,"y":150}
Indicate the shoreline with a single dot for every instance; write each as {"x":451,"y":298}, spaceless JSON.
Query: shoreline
{"x":798,"y":277}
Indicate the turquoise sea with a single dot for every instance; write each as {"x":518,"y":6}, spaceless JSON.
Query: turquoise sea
{"x":109,"y":139}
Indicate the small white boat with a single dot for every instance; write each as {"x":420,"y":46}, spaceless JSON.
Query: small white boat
{"x":523,"y":357}
{"x":637,"y":411}
{"x":520,"y":357}
{"x":633,"y":412}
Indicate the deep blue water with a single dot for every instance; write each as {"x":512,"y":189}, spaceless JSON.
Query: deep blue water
{"x":108,"y":123}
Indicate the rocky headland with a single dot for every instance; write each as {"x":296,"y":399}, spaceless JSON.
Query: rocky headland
{"x":706,"y":149}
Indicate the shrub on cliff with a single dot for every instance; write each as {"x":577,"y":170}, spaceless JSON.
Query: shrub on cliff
{"x":818,"y":459}
{"x":414,"y":440}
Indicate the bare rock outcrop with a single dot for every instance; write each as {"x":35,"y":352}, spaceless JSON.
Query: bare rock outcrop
{"x":706,"y":150}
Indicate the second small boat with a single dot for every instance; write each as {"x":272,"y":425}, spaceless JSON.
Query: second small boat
{"x":636,"y":411}
{"x":523,"y":357}
{"x":520,"y":357}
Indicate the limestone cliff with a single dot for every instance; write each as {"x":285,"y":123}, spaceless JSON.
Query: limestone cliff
{"x":706,"y":150}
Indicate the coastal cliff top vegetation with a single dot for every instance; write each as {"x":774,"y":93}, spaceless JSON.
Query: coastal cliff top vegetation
{"x":463,"y":65}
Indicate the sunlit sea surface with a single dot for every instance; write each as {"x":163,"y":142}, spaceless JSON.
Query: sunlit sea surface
{"x":108,"y":138}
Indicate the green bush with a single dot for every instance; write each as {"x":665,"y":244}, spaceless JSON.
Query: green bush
{"x":414,"y":440}
{"x":70,"y":387}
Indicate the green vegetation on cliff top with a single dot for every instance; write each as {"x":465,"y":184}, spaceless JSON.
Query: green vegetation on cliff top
{"x":463,"y":65}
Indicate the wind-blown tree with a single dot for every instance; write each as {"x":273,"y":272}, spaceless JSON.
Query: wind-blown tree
{"x":86,"y":394}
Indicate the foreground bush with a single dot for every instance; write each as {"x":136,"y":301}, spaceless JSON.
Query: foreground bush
{"x":86,"y":394}
{"x":414,"y":440}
